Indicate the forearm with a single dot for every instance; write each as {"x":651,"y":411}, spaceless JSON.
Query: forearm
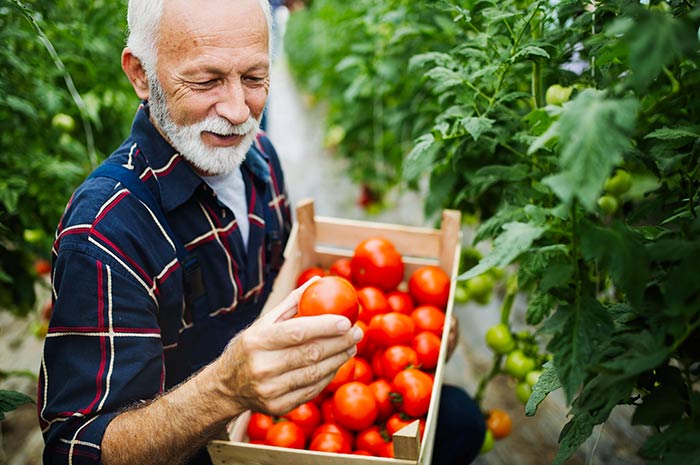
{"x":171,"y":428}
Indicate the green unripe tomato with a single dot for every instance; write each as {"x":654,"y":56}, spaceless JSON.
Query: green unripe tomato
{"x":461,"y":292}
{"x":518,"y":364}
{"x":523,"y":391}
{"x":608,"y":204}
{"x":619,"y":183}
{"x":488,"y":443}
{"x":480,"y":288}
{"x":557,"y":94}
{"x":33,"y":236}
{"x":532,"y":377}
{"x":499,"y":339}
{"x":63,"y":122}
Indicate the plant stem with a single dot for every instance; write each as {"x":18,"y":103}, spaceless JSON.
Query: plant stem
{"x":495,"y":370}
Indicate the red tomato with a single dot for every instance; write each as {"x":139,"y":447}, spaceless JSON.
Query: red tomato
{"x":258,"y":425}
{"x":499,"y":423}
{"x":400,"y":420}
{"x":429,"y":285}
{"x":414,"y":388}
{"x":400,"y":301}
{"x":397,"y":358}
{"x":285,"y":434}
{"x":335,"y":428}
{"x":342,"y":376}
{"x":427,"y":346}
{"x":376,"y":262}
{"x":42,"y":267}
{"x":341,"y":267}
{"x":365,"y":348}
{"x":372,"y":302}
{"x":387,"y":450}
{"x":428,"y":318}
{"x":330,"y":294}
{"x":376,"y":363}
{"x":381,"y":389}
{"x":371,"y":439}
{"x":307,"y":416}
{"x":390,"y":329}
{"x":362,"y":452}
{"x":330,"y":442}
{"x":327,"y":410}
{"x":309,"y":273}
{"x":354,"y":406}
{"x":363,"y":371}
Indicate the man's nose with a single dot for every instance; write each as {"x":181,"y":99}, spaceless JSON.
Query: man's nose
{"x":232,"y":104}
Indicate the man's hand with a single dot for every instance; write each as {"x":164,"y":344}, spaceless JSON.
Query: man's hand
{"x":453,"y":337}
{"x":280,"y":361}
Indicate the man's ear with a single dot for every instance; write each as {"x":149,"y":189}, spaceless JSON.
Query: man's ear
{"x":136,"y":73}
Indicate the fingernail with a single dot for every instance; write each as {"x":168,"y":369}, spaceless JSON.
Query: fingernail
{"x":357,"y":334}
{"x":343,"y":324}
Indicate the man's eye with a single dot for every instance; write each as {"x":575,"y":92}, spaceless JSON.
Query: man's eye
{"x":204,"y":84}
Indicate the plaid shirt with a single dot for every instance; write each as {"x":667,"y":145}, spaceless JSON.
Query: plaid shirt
{"x":127,"y":323}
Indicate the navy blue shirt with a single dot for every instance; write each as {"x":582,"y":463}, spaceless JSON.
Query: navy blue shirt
{"x":129,"y":322}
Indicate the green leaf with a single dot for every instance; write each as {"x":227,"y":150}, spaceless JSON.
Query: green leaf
{"x":593,"y":132}
{"x":662,"y":406}
{"x":556,"y":275}
{"x":515,"y":239}
{"x":689,"y":133}
{"x":475,"y":126}
{"x":539,"y":306}
{"x":578,"y":331}
{"x":420,"y":158}
{"x":675,"y":445}
{"x":528,"y":52}
{"x":618,"y":250}
{"x":10,"y":400}
{"x":546,"y":383}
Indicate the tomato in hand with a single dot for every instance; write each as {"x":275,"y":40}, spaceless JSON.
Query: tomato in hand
{"x":427,"y":347}
{"x":414,"y":389}
{"x":430,"y":285}
{"x":354,"y":406}
{"x":381,"y":389}
{"x":309,"y":273}
{"x":389,"y":329}
{"x":286,"y":434}
{"x":397,"y":358}
{"x":499,"y":423}
{"x":330,"y":294}
{"x":341,"y":267}
{"x":372,"y":302}
{"x":376,"y":262}
{"x":307,"y":416}
{"x":428,"y":318}
{"x":330,"y":442}
{"x":258,"y":425}
{"x":400,"y":301}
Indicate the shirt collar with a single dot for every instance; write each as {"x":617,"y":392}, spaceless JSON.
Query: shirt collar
{"x":177,"y":181}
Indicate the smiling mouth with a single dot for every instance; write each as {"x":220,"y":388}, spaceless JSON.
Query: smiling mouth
{"x":221,"y":140}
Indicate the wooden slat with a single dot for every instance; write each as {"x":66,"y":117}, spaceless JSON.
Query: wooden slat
{"x":407,"y":442}
{"x":307,"y":233}
{"x":228,"y":453}
{"x":408,"y":240}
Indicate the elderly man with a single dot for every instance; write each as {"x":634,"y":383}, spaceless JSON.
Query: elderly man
{"x":151,"y":284}
{"x":166,"y":254}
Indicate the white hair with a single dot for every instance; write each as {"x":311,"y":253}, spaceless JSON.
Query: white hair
{"x":143,"y":18}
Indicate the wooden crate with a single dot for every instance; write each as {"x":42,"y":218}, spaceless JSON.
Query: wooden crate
{"x":318,"y":241}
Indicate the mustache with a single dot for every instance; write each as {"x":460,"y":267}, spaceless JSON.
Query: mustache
{"x":221,"y":126}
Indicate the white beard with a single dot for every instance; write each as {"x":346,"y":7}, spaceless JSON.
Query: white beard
{"x":188,"y":141}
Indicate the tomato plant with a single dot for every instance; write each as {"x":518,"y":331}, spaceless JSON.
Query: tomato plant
{"x":330,"y":294}
{"x":499,"y":423}
{"x":499,"y":339}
